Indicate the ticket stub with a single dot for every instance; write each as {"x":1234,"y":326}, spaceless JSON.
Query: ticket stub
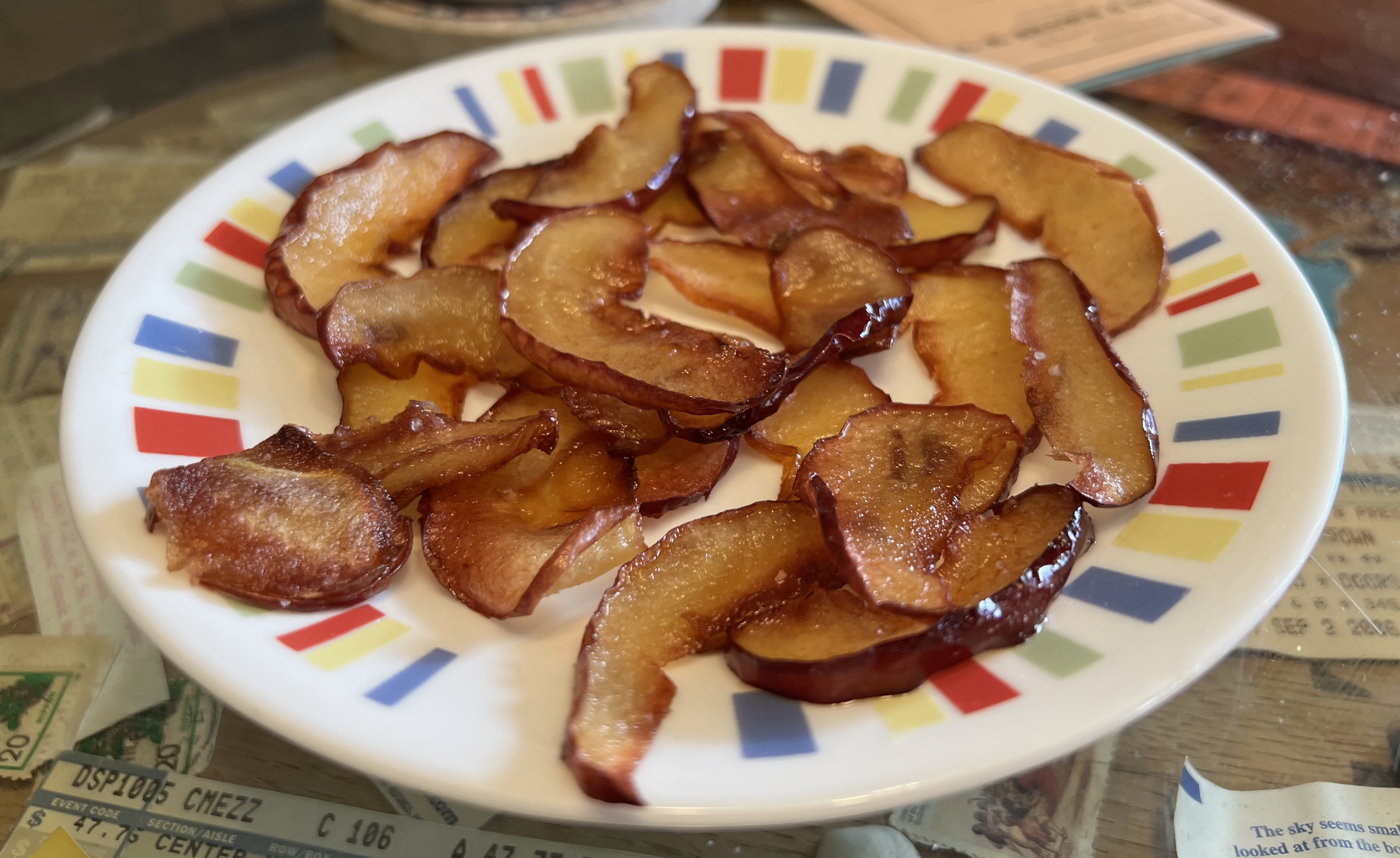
{"x":119,"y":810}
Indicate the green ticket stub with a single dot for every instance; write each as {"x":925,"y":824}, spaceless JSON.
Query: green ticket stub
{"x":29,"y":703}
{"x":111,"y":808}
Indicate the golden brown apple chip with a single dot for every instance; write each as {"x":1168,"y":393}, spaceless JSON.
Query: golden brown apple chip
{"x":890,"y":487}
{"x":699,"y":579}
{"x":630,"y":430}
{"x":727,"y":277}
{"x":674,"y":208}
{"x":367,"y":395}
{"x":467,"y":230}
{"x":816,"y":408}
{"x":866,"y":170}
{"x":346,"y":224}
{"x":448,"y":317}
{"x":542,"y":521}
{"x":960,"y":321}
{"x":943,"y":235}
{"x":562,"y":307}
{"x":681,"y":472}
{"x":283,"y":524}
{"x":1095,"y":218}
{"x":629,"y":165}
{"x":1086,"y":403}
{"x":758,"y":187}
{"x":422,"y":448}
{"x":1003,"y":568}
{"x":825,"y":274}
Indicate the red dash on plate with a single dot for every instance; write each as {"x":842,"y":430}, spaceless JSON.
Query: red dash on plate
{"x":965,"y":97}
{"x":177,"y":434}
{"x":1211,"y":485}
{"x":1214,"y":293}
{"x":741,"y":74}
{"x":535,"y":84}
{"x":330,"y":628}
{"x":229,"y":239}
{"x":970,"y":686}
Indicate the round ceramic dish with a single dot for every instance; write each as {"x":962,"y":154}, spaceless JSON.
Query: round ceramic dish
{"x":181,"y":358}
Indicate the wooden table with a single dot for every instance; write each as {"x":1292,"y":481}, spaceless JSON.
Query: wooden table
{"x":1257,"y":717}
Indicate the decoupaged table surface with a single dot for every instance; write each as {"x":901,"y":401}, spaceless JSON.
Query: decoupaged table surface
{"x":1256,"y":720}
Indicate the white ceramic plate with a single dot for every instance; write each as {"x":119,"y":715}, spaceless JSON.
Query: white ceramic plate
{"x":181,"y":358}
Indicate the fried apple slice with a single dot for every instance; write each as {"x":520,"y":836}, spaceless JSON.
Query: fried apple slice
{"x":669,"y":602}
{"x":448,"y":317}
{"x":866,"y":170}
{"x":467,"y":231}
{"x":422,"y":448}
{"x":816,"y":408}
{"x":823,"y":275}
{"x":960,"y":321}
{"x":1097,"y":219}
{"x":543,"y":521}
{"x":890,"y":487}
{"x":282,"y":524}
{"x":943,"y":235}
{"x":681,"y":472}
{"x":368,"y":395}
{"x":562,"y":307}
{"x":1003,"y":570}
{"x":1085,"y":400}
{"x":630,"y":430}
{"x":730,"y":278}
{"x":627,"y":166}
{"x":673,"y":208}
{"x":757,"y":186}
{"x":345,"y":225}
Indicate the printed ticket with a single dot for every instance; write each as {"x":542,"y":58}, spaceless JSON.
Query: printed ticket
{"x":119,"y":810}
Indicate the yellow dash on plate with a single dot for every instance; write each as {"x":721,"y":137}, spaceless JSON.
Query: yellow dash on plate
{"x":903,"y":712}
{"x":514,"y":88}
{"x":1189,"y":537}
{"x":187,"y":384}
{"x":1192,"y":280}
{"x":1252,"y":373}
{"x":995,"y":106}
{"x":792,"y":72}
{"x":357,"y":644}
{"x":256,"y":218}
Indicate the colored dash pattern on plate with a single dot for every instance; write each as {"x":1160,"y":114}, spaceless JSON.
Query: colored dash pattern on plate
{"x":178,"y":362}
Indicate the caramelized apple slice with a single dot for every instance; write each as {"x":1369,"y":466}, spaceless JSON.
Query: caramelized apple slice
{"x":345,"y":224}
{"x":681,"y":472}
{"x":866,"y":170}
{"x":1094,"y":217}
{"x":756,"y":186}
{"x":367,"y":395}
{"x":825,"y":274}
{"x":500,"y":564}
{"x":283,"y":524}
{"x":1086,"y":403}
{"x":891,"y":486}
{"x":630,"y":430}
{"x":449,"y":317}
{"x":960,"y":321}
{"x":673,"y":208}
{"x":816,"y":408}
{"x":1003,"y":570}
{"x":562,"y":307}
{"x":668,"y":602}
{"x":501,"y":541}
{"x":467,"y":230}
{"x":943,"y":235}
{"x":422,"y":448}
{"x":627,"y":166}
{"x":727,"y":277}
